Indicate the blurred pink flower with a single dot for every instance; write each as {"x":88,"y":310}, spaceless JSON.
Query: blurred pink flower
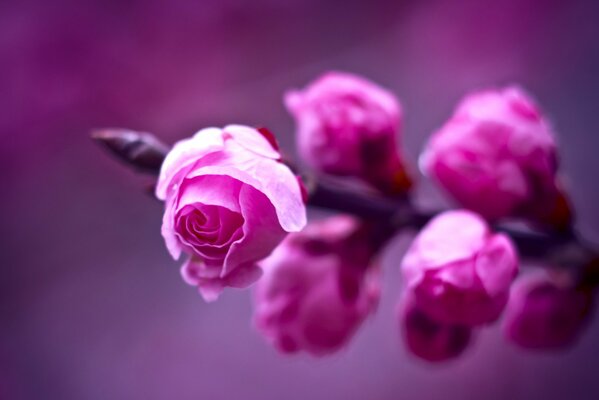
{"x":458,"y":270}
{"x":429,"y":339}
{"x":317,"y":288}
{"x":542,"y":314}
{"x":347,"y":125}
{"x":229,"y":202}
{"x":497,"y":156}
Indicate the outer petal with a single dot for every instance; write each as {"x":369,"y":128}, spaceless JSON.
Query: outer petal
{"x":497,"y":265}
{"x":195,"y":273}
{"x":261,"y":231}
{"x":183,"y":155}
{"x":274,"y":179}
{"x":459,"y":274}
{"x":452,"y":305}
{"x":250,"y":139}
{"x":338,"y":84}
{"x":452,"y":236}
{"x":168,"y":231}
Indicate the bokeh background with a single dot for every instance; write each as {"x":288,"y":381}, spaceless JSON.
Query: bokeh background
{"x":92,"y":306}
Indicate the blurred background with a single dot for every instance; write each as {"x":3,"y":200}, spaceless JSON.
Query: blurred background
{"x":92,"y":306}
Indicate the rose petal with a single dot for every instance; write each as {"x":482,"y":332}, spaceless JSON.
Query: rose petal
{"x":497,"y":264}
{"x":251,"y":140}
{"x":244,"y":276}
{"x":214,"y":190}
{"x":458,"y":274}
{"x":183,"y":155}
{"x":210,"y":290}
{"x":195,"y":273}
{"x":267,"y":176}
{"x":167,"y":230}
{"x":456,"y":236}
{"x":261,"y":230}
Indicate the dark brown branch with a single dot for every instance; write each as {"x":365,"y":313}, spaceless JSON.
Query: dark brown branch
{"x":146,"y":153}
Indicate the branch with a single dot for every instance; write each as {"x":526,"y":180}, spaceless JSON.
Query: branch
{"x":145,"y":152}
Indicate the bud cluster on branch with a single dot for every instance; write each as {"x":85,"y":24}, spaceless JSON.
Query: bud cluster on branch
{"x":236,"y":211}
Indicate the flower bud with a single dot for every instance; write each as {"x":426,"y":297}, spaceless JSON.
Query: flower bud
{"x":229,"y":202}
{"x":428,"y":339}
{"x":317,"y":288}
{"x":458,"y":270}
{"x":141,"y":150}
{"x":349,"y":126}
{"x":544,"y":314}
{"x":497,"y":156}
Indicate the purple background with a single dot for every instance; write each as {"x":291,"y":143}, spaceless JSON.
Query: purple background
{"x":91,"y":305}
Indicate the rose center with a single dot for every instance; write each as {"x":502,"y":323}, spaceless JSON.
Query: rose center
{"x":203,"y":226}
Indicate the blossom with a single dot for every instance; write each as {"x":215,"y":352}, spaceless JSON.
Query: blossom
{"x":429,"y":339}
{"x":458,"y":270}
{"x":497,"y":156}
{"x":229,"y":202}
{"x":347,"y":125}
{"x":544,"y":314}
{"x":317,"y":288}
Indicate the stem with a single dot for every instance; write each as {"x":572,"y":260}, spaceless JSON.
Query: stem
{"x":327,"y":196}
{"x":394,"y":216}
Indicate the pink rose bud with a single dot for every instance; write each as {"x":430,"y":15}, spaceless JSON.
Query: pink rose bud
{"x":458,"y":270}
{"x":229,"y":202}
{"x":497,"y":156}
{"x":544,"y":314}
{"x":317,"y":288}
{"x":429,"y":339}
{"x":349,"y":126}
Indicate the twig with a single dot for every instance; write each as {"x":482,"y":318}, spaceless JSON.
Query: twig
{"x":145,"y":152}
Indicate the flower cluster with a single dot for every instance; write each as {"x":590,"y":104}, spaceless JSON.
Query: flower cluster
{"x":236,"y":210}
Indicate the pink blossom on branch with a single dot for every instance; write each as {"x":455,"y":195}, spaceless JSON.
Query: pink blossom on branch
{"x":229,"y":202}
{"x":318,"y":287}
{"x":349,"y":126}
{"x":458,"y":271}
{"x":544,"y":313}
{"x":497,"y":156}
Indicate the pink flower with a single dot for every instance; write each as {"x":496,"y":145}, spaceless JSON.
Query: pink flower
{"x":229,"y":202}
{"x":347,"y":125}
{"x":317,"y":288}
{"x":458,"y":270}
{"x":542,"y":314}
{"x":429,"y":339}
{"x":497,"y":156}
